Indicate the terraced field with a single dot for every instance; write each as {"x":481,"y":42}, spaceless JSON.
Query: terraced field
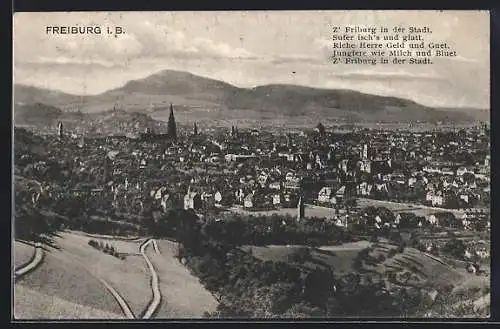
{"x":61,"y":277}
{"x":411,"y":267}
{"x":30,"y":304}
{"x":130,"y":276}
{"x":74,"y":280}
{"x":77,"y":281}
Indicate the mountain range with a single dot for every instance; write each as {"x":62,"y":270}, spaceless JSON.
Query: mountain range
{"x":195,"y":96}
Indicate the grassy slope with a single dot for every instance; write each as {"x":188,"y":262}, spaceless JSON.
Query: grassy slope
{"x":437,"y":272}
{"x":183,"y":296}
{"x":22,"y":253}
{"x":424,"y":271}
{"x":129,"y":277}
{"x":473,"y":282}
{"x":62,"y":277}
{"x":30,"y":304}
{"x":340,"y":258}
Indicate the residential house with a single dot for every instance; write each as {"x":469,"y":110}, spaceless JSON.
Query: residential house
{"x":433,"y":220}
{"x":472,"y":268}
{"x":192,"y":200}
{"x":466,"y":222}
{"x":463,"y":170}
{"x":325,"y":195}
{"x":248,"y":201}
{"x":443,"y":219}
{"x":343,"y":165}
{"x":275,"y":186}
{"x":364,"y":189}
{"x":208,"y":200}
{"x":218,"y":198}
{"x":341,"y":194}
{"x":440,"y":198}
{"x":160,"y":193}
{"x":365,"y":166}
{"x":289,"y":199}
{"x":447,"y":171}
{"x":276,"y":199}
{"x":483,"y":253}
{"x":165,"y":202}
{"x":381,"y":187}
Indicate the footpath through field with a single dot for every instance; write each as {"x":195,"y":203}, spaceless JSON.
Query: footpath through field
{"x":36,"y":260}
{"x":155,"y":286}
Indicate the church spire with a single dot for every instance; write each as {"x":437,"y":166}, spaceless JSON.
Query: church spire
{"x":300,"y":209}
{"x":60,"y":130}
{"x":172,"y":129}
{"x":195,"y":129}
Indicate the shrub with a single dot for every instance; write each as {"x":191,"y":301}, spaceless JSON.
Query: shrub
{"x":301,"y":255}
{"x":391,"y":253}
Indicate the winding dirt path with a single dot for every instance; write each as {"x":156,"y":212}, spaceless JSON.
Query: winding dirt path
{"x":108,"y":237}
{"x":155,"y":246}
{"x":119,"y":299}
{"x":35,"y":261}
{"x":155,"y":282}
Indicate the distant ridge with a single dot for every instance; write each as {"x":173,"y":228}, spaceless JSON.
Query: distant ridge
{"x":189,"y":92}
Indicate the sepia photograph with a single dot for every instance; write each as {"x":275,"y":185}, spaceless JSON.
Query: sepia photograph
{"x":252,"y":165}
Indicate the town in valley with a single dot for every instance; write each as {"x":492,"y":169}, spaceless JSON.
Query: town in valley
{"x":251,"y":165}
{"x":412,"y":206}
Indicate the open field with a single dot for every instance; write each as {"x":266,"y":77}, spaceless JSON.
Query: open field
{"x":183,"y":296}
{"x":397,"y":207}
{"x":30,"y":304}
{"x":339,"y":258}
{"x":22,"y":253}
{"x":310,"y":211}
{"x":325,"y":212}
{"x":130,"y":277}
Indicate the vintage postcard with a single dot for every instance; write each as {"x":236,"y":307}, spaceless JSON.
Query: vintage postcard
{"x":251,"y":165}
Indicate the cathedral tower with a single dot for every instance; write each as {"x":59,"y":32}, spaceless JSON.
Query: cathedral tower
{"x":60,"y":130}
{"x":171,"y":128}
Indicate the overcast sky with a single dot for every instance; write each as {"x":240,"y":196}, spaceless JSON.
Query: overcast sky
{"x":251,"y":48}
